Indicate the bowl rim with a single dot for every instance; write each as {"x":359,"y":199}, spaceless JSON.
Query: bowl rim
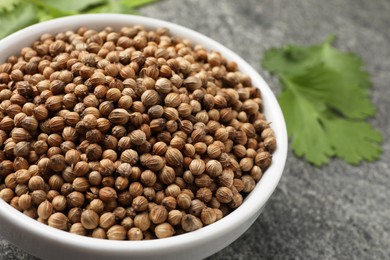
{"x":252,"y":204}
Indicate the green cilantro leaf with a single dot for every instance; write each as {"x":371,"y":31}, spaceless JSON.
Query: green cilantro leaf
{"x":72,"y":5}
{"x":137,"y":3}
{"x":325,"y":100}
{"x":113,"y":7}
{"x":16,"y":14}
{"x":46,"y":11}
{"x":347,"y":148}
{"x":124,"y":6}
{"x":22,"y":15}
{"x":8,"y":5}
{"x":309,"y":138}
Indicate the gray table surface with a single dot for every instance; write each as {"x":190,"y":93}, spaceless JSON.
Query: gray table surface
{"x":334,"y":212}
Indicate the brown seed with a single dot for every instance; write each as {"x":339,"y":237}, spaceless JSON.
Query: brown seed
{"x":270,"y":143}
{"x":164,"y":230}
{"x":89,"y":219}
{"x":197,"y":166}
{"x":237,"y":201}
{"x":72,"y":157}
{"x":163,"y":86}
{"x":54,"y":103}
{"x":135,"y":189}
{"x":169,"y":202}
{"x":45,"y":209}
{"x":38,"y":196}
{"x":99,"y":233}
{"x":248,"y":129}
{"x":25,"y":202}
{"x":174,"y":217}
{"x":107,"y":220}
{"x":155,"y":163}
{"x":56,"y":124}
{"x":81,"y":168}
{"x":137,"y":137}
{"x":150,"y":98}
{"x":263,"y":160}
{"x":174,"y":157}
{"x":97,"y":78}
{"x":10,"y":181}
{"x":36,"y":183}
{"x":94,"y":152}
{"x":30,"y":124}
{"x":167,"y":175}
{"x":57,"y":162}
{"x":159,"y":148}
{"x":208,"y":216}
{"x":142,"y":221}
{"x":106,"y":167}
{"x":190,"y":223}
{"x":158,"y":214}
{"x":80,"y":184}
{"x":22,"y":176}
{"x":204,"y":194}
{"x":192,"y":83}
{"x":116,"y":232}
{"x":213,"y":168}
{"x":184,"y":110}
{"x":184,"y":201}
{"x":171,"y":113}
{"x":6,"y":194}
{"x":256,"y":173}
{"x":74,"y":215}
{"x":214,"y":151}
{"x":172,"y":100}
{"x":96,"y":205}
{"x":140,"y":203}
{"x":77,"y":228}
{"x":22,"y":149}
{"x":119,"y":116}
{"x":224,"y":195}
{"x":250,"y":106}
{"x":125,"y":102}
{"x":20,"y":134}
{"x":124,"y":169}
{"x":121,"y":183}
{"x":135,"y":233}
{"x":58,"y":220}
{"x":113,"y":94}
{"x":196,"y":207}
{"x":107,"y":194}
{"x":59,"y":203}
{"x":127,"y":223}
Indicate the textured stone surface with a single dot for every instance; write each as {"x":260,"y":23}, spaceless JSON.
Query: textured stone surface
{"x":334,"y":212}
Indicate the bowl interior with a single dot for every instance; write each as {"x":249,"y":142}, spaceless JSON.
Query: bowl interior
{"x":251,"y":206}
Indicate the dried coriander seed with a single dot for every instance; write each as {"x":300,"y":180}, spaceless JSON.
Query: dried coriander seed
{"x":164,"y":230}
{"x":89,"y":219}
{"x":58,"y":220}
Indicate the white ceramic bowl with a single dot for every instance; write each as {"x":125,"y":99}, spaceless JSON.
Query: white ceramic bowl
{"x":49,"y":243}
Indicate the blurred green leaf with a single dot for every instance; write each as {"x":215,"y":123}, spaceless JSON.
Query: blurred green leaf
{"x":8,"y":5}
{"x":72,"y":5}
{"x":137,"y":3}
{"x":17,"y":14}
{"x":22,"y":15}
{"x":113,"y":7}
{"x":47,"y":11}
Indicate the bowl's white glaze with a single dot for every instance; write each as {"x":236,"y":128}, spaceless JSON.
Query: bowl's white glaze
{"x":49,"y":243}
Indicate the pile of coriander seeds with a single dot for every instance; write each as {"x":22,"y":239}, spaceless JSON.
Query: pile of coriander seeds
{"x":128,"y":135}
